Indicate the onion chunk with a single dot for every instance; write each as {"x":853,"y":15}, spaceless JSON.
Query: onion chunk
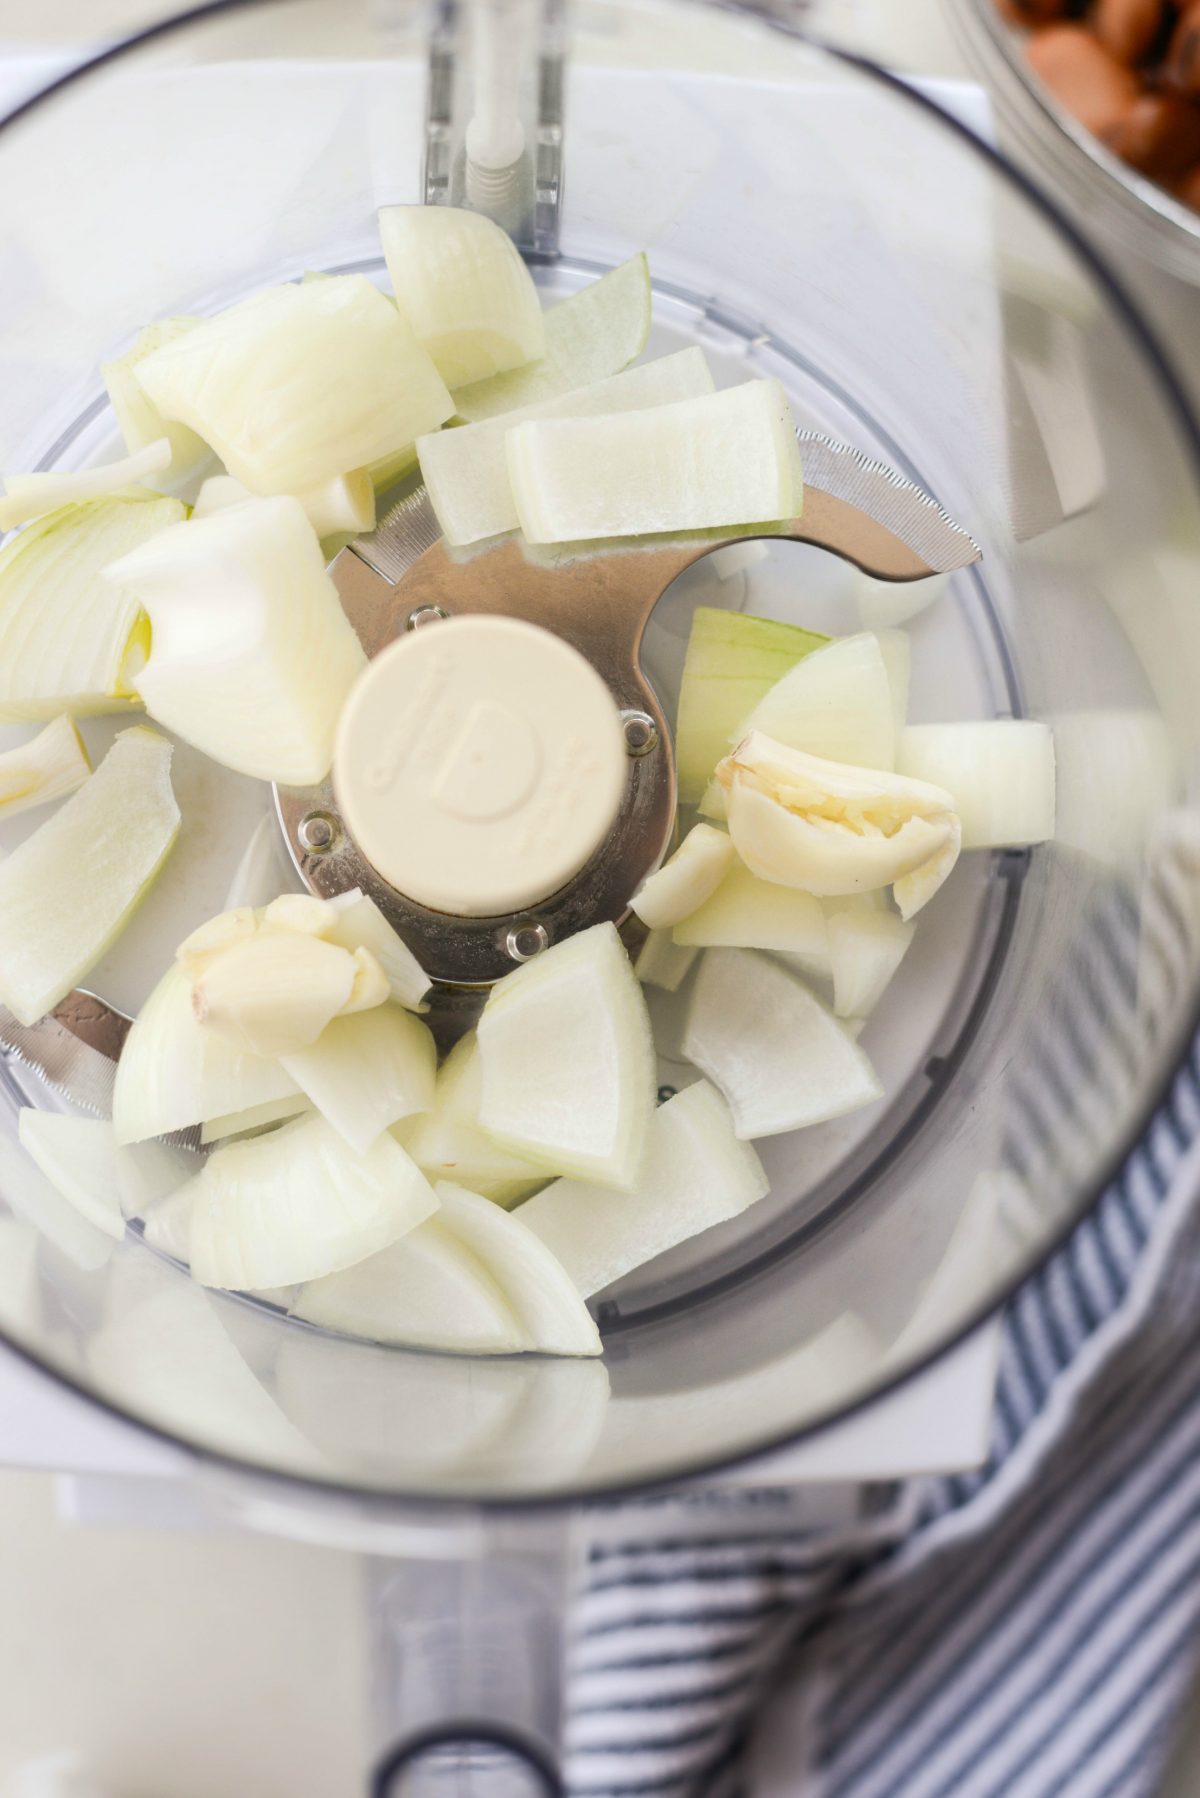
{"x":568,"y":1061}
{"x":696,"y":1174}
{"x":727,"y":459}
{"x":781,"y":1058}
{"x":65,"y":634}
{"x":251,"y":655}
{"x":297,"y":384}
{"x":298,"y":1204}
{"x":68,"y":890}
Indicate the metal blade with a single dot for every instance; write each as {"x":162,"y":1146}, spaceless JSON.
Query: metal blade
{"x":874,"y":488}
{"x":70,"y":1062}
{"x":406,"y":530}
{"x":74,"y":1049}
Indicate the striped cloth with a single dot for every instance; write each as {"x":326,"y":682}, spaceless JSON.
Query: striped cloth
{"x":1030,"y":1629}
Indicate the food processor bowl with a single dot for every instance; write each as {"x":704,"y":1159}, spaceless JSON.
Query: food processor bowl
{"x":808,"y":217}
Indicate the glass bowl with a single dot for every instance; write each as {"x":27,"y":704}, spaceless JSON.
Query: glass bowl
{"x":1090,"y":181}
{"x":808,"y":217}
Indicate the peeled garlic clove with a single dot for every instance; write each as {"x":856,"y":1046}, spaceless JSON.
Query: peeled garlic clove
{"x":273,"y":993}
{"x":371,"y":985}
{"x":828,"y":828}
{"x":301,"y":912}
{"x":686,"y":880}
{"x":914,"y":890}
{"x":213,"y":937}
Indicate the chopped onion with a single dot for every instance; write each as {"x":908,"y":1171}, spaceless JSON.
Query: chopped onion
{"x":358,"y":923}
{"x":663,"y":962}
{"x":448,"y":1144}
{"x":780,"y":1057}
{"x":426,"y":1291}
{"x":1001,"y":773}
{"x":466,"y":471}
{"x":64,"y":633}
{"x":866,"y":946}
{"x":253,"y":1118}
{"x":836,"y":703}
{"x":368,"y":1071}
{"x":300,"y":383}
{"x":173,"y":1073}
{"x":732,"y":661}
{"x":148,"y":1172}
{"x":540,"y":1291}
{"x":298,"y":1204}
{"x":830,"y":828}
{"x":696,"y":1174}
{"x":217,"y":493}
{"x":748,"y":913}
{"x":29,"y":1194}
{"x":167,"y":1225}
{"x":736,"y":558}
{"x":48,"y":767}
{"x":686,"y":880}
{"x":252,"y":656}
{"x":461,"y":285}
{"x":344,"y":505}
{"x":726,"y":459}
{"x":77,"y":1156}
{"x":32,"y":495}
{"x":69,"y":890}
{"x":896,"y":649}
{"x":105,"y":1180}
{"x":593,"y":335}
{"x":568,"y":1060}
{"x":139,"y":418}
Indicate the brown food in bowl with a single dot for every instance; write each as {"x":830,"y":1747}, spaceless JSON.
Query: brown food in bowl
{"x":1160,"y":136}
{"x":1182,"y":67}
{"x":1129,"y":71}
{"x":1080,"y":72}
{"x":1128,"y":29}
{"x":1034,"y":12}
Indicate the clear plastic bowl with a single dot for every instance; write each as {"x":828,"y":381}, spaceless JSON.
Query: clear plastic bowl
{"x":1096,"y":186}
{"x":806,"y":217}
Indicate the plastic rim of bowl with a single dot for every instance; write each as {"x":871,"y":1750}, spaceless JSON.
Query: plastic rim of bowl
{"x":377,"y":1501}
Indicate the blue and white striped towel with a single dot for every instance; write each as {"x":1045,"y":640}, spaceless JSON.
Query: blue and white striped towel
{"x":1029,"y":1630}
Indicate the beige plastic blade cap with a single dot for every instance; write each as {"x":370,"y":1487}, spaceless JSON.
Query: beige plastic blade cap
{"x":480,"y":762}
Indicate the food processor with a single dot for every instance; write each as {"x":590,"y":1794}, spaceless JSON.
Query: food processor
{"x":937,"y":320}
